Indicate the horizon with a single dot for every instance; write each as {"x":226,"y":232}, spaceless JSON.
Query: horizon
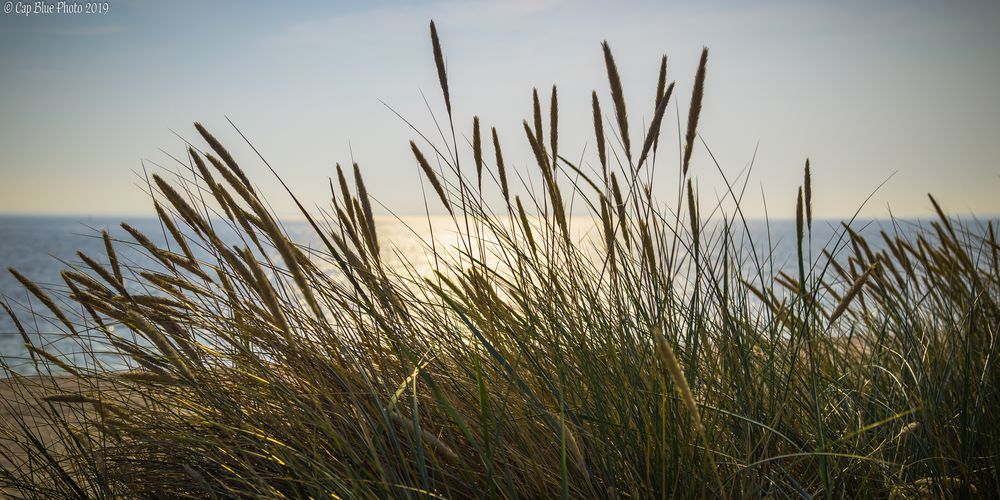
{"x":81,"y":218}
{"x":899,"y":90}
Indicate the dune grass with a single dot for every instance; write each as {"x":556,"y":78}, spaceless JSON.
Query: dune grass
{"x":661,"y":355}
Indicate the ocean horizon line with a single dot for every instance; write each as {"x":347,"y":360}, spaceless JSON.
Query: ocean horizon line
{"x":299,"y":218}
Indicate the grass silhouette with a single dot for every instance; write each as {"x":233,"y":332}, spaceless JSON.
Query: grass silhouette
{"x":658,"y":357}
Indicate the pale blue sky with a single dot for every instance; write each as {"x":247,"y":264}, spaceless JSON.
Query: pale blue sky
{"x":863,"y":88}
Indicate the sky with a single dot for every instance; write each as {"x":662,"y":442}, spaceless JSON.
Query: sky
{"x":896,"y":91}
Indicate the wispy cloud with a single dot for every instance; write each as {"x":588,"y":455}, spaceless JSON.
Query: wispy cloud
{"x":338,"y":28}
{"x":382,"y":21}
{"x":455,"y":12}
{"x":84,"y":30}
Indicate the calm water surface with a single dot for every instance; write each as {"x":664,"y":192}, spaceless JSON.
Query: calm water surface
{"x":41,"y":247}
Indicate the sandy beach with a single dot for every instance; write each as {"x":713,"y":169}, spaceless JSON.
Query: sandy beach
{"x":20,"y":405}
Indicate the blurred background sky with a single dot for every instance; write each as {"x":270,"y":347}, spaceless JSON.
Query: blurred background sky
{"x":865,"y":89}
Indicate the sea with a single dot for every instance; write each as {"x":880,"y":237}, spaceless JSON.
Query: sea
{"x":40,"y":247}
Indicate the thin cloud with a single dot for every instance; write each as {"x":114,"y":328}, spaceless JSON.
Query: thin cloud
{"x":377,"y":21}
{"x":84,"y":30}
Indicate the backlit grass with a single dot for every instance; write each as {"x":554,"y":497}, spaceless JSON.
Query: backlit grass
{"x":658,"y":355}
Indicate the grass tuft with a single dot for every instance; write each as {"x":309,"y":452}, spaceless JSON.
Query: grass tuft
{"x":595,"y":343}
